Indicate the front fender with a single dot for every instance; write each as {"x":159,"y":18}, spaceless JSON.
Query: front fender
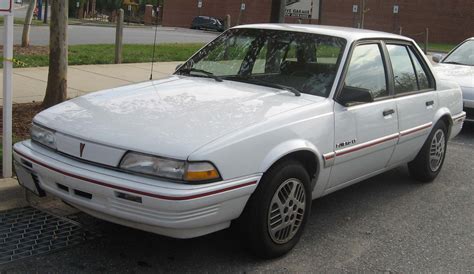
{"x":287,"y":148}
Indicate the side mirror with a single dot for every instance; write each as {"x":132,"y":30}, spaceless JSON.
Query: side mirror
{"x":177,"y":67}
{"x":437,"y":57}
{"x":352,"y":95}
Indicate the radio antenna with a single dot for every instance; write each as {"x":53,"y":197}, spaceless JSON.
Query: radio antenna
{"x":154,"y":46}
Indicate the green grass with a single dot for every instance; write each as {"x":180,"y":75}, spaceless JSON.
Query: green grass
{"x":105,"y":54}
{"x":438,"y":47}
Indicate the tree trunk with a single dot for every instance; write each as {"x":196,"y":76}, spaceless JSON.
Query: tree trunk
{"x":45,"y":20}
{"x":25,"y":38}
{"x":56,"y":90}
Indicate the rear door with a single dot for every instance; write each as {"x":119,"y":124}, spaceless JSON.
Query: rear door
{"x":416,"y":99}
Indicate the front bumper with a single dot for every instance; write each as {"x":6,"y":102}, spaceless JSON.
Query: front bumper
{"x":469,"y":112}
{"x":468,"y":102}
{"x":166,"y":208}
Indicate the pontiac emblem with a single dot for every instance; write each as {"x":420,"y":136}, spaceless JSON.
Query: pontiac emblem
{"x":81,"y":149}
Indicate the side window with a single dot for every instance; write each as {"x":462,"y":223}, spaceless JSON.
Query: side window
{"x":424,"y":82}
{"x":366,"y":71}
{"x":405,"y":78}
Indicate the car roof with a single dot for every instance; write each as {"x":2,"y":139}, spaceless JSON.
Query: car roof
{"x":350,"y":34}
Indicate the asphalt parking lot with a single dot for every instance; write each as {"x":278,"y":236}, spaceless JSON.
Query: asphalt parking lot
{"x":387,"y":223}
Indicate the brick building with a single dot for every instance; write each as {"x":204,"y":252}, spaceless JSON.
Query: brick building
{"x":449,"y":21}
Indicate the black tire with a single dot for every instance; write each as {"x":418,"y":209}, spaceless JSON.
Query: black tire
{"x":255,"y":221}
{"x":422,"y":167}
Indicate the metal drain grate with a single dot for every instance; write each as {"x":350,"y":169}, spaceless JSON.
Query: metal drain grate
{"x":26,"y":232}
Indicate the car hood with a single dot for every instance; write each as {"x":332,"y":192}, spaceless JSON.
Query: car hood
{"x":463,"y":75}
{"x":171,"y":117}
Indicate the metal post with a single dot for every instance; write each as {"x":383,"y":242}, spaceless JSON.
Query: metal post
{"x":400,"y":31}
{"x":362,"y":16}
{"x":228,"y":23}
{"x":40,"y":9}
{"x":119,"y":38}
{"x":427,"y":33}
{"x":7,"y":95}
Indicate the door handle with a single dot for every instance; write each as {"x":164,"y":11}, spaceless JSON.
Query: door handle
{"x":429,"y":103}
{"x":388,"y":112}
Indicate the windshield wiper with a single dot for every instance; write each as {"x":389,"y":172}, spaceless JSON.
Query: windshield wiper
{"x":267,"y":84}
{"x":207,"y":73}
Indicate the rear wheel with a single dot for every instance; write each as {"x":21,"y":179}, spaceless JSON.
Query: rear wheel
{"x":430,"y":159}
{"x":276,"y":213}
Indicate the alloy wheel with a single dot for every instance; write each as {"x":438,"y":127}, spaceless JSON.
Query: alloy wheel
{"x":437,"y":150}
{"x":287,"y":210}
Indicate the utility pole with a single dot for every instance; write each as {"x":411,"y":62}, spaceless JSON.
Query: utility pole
{"x":281,"y":15}
{"x":7,"y":94}
{"x":363,"y":11}
{"x":278,"y":11}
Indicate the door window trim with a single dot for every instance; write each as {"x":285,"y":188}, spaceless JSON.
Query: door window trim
{"x":387,"y":70}
{"x":421,"y":60}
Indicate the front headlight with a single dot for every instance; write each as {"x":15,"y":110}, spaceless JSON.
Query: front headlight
{"x":169,"y":168}
{"x":43,"y":136}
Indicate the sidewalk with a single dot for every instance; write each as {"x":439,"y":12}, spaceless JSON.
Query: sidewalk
{"x":29,"y":84}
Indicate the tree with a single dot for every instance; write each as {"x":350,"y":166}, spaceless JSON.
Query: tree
{"x":56,"y":89}
{"x":25,"y":38}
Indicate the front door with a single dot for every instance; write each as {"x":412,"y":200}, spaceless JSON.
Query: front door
{"x":365,"y":133}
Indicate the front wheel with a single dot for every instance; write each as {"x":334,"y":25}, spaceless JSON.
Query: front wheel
{"x":430,"y":159}
{"x":277,"y":212}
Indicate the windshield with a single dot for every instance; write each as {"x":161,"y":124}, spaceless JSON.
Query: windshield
{"x":463,"y":55}
{"x":293,"y":61}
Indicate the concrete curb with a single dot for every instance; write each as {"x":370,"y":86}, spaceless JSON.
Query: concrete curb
{"x":12,"y":195}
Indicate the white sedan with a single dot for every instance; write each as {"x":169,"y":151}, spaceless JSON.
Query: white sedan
{"x":248,"y":131}
{"x":458,"y":66}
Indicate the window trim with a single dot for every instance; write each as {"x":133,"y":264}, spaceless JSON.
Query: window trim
{"x":424,"y":65}
{"x":387,"y":70}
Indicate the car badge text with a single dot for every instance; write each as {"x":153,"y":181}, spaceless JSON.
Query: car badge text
{"x":346,"y":143}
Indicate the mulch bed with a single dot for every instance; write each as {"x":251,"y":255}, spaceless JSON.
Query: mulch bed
{"x":22,"y":117}
{"x":31,"y":50}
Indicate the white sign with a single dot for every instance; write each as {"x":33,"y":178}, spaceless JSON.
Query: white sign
{"x":396,"y":9}
{"x":355,"y":8}
{"x":242,"y":7}
{"x":308,"y":9}
{"x":78,"y":4}
{"x":129,"y":7}
{"x":6,"y":6}
{"x":199,"y":4}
